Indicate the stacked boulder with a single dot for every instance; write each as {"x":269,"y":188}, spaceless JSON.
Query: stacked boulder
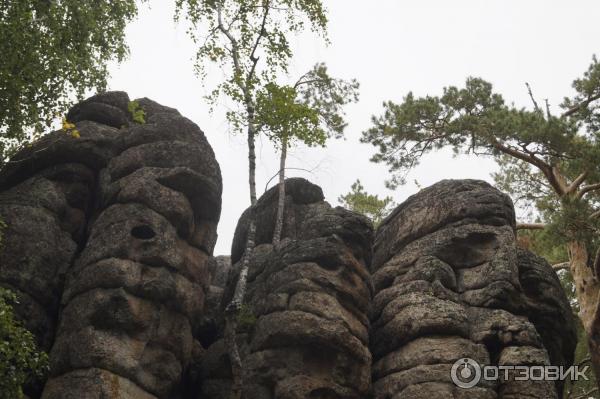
{"x":304,"y":326}
{"x":450,"y":284}
{"x":121,"y":223}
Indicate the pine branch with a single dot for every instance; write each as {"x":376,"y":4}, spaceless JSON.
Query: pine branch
{"x":580,"y":106}
{"x":586,"y":189}
{"x":577,"y":182}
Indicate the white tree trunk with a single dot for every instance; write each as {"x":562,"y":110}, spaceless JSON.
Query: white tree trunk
{"x":233,"y":308}
{"x":281,"y":202}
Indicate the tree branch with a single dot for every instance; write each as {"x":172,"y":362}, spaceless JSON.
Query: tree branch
{"x":561,"y":266}
{"x":276,"y":174}
{"x":531,"y":226}
{"x":578,"y":107}
{"x":306,"y":82}
{"x":546,"y":169}
{"x":235,"y":55}
{"x":535,"y":104}
{"x":548,"y":114}
{"x":586,"y":189}
{"x":577,"y":182}
{"x":261,"y":33}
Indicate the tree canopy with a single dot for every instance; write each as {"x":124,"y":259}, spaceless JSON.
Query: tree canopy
{"x":544,"y":158}
{"x":310,"y":111}
{"x":249,"y":41}
{"x":548,"y":162}
{"x":50,"y":50}
{"x":360,"y":201}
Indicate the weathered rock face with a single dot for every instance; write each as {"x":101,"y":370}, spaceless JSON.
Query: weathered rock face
{"x":109,"y":240}
{"x":306,"y":329}
{"x":117,"y":226}
{"x":449,"y":284}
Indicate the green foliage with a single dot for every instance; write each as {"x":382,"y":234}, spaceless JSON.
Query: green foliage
{"x":549,"y":164}
{"x":50,"y":49}
{"x":311,"y":111}
{"x":236,"y":34}
{"x":20,"y":360}
{"x":543,"y":243}
{"x":70,"y":128}
{"x":137,"y":113}
{"x":476,"y":120}
{"x":283,"y":118}
{"x":358,"y":200}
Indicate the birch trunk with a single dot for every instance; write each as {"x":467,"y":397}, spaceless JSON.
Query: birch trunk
{"x":233,"y":308}
{"x":281,"y":202}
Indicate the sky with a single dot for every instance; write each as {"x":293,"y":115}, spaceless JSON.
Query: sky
{"x":391,"y":47}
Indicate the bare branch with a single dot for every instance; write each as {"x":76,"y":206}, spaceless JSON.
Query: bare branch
{"x":531,"y":226}
{"x":276,"y":174}
{"x":235,"y":54}
{"x":306,"y":82}
{"x":535,"y":104}
{"x":299,"y":81}
{"x":261,"y":34}
{"x":580,"y":106}
{"x":548,"y":114}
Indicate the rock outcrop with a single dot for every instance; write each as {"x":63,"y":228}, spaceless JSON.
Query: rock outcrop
{"x":304,"y":327}
{"x":109,"y":243}
{"x":450,"y":284}
{"x":118,"y":227}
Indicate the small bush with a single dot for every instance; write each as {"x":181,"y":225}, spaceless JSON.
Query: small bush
{"x":137,"y":113}
{"x":20,"y":360}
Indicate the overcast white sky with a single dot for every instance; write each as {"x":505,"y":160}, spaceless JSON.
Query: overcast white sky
{"x":391,"y":47}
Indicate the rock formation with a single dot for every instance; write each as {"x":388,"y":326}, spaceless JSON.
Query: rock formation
{"x":109,"y":244}
{"x":449,"y":284}
{"x":305,"y":329}
{"x":117,"y":226}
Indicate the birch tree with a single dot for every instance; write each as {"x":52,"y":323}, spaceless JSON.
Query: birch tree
{"x":249,"y":41}
{"x":50,"y":50}
{"x":311,"y":112}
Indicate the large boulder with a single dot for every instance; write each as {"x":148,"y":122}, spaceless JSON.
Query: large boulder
{"x":108,"y":244}
{"x":450,"y":284}
{"x":304,"y":331}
